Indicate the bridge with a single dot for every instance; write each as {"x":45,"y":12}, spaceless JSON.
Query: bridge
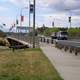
{"x":18,"y":44}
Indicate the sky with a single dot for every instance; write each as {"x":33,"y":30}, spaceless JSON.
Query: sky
{"x":47,"y":11}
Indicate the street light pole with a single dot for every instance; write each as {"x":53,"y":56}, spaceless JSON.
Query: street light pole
{"x":70,"y":16}
{"x":34,"y":25}
{"x":20,"y":17}
{"x":29,"y":17}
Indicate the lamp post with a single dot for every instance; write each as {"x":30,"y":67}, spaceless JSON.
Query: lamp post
{"x":69,"y":18}
{"x":34,"y":24}
{"x":20,"y":17}
{"x":32,"y":11}
{"x":29,"y":17}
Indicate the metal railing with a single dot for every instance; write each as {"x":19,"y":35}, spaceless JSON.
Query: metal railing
{"x":71,"y":45}
{"x":26,"y":38}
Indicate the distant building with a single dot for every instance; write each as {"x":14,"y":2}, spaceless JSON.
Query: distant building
{"x":23,"y":29}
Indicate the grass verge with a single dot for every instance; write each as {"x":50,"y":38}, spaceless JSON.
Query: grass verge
{"x":29,"y":64}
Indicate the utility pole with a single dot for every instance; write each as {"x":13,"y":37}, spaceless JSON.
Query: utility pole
{"x":34,"y":25}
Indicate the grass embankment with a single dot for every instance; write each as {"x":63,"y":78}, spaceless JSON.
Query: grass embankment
{"x":74,"y":32}
{"x":29,"y":64}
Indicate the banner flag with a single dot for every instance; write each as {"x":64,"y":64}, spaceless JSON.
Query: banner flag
{"x":22,"y":18}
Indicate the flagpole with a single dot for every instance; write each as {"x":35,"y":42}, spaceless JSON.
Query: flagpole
{"x":34,"y":25}
{"x":20,"y":17}
{"x":29,"y":22}
{"x":29,"y":17}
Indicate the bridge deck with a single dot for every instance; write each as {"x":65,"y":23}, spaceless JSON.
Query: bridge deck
{"x":15,"y":41}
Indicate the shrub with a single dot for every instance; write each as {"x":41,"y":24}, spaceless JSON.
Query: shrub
{"x":3,"y":42}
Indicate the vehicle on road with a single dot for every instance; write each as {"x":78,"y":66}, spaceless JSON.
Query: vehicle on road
{"x":61,"y":35}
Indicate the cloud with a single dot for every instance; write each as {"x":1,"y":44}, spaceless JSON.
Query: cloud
{"x":48,"y":10}
{"x":2,"y":8}
{"x":60,"y":20}
{"x":19,"y":3}
{"x":63,"y":4}
{"x":60,"y":5}
{"x":53,"y":4}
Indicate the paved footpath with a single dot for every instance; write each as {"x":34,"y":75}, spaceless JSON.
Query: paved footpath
{"x":67,"y":64}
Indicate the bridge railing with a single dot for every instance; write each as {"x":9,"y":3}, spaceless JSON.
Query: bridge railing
{"x":46,"y":39}
{"x":26,"y":38}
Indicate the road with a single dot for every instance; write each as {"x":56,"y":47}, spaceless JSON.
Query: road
{"x":67,"y":64}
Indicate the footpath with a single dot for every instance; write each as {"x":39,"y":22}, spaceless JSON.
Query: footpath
{"x":67,"y":64}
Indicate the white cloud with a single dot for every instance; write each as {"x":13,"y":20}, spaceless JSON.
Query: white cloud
{"x":6,"y":20}
{"x":60,"y":19}
{"x":3,"y":8}
{"x":20,"y":3}
{"x":58,"y":5}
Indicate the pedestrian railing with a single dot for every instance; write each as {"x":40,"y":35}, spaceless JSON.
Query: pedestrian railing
{"x":46,"y":40}
{"x":72,"y":46}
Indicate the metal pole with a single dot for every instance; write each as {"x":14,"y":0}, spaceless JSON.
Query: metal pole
{"x":29,"y":22}
{"x":29,"y":17}
{"x":70,"y":18}
{"x":70,"y":24}
{"x":34,"y":25}
{"x":70,"y":13}
{"x":20,"y":17}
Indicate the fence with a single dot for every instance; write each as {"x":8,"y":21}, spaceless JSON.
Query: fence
{"x":72,"y":46}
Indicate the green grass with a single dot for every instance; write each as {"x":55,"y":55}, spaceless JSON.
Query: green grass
{"x":74,"y":32}
{"x":29,"y":64}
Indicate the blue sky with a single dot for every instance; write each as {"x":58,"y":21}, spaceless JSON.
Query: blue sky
{"x":47,"y":11}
